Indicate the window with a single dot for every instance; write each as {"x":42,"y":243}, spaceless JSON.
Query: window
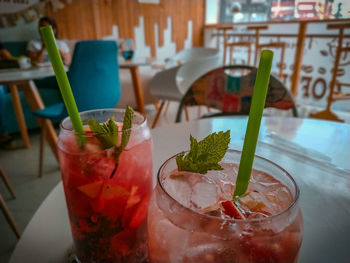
{"x":226,"y":11}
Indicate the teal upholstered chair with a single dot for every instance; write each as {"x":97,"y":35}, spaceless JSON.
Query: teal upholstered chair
{"x":94,"y":79}
{"x":16,"y":48}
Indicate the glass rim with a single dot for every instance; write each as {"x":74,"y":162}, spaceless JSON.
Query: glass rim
{"x":135,"y":126}
{"x":249,"y":220}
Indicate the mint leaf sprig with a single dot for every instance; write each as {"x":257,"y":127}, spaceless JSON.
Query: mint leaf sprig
{"x":204,"y":155}
{"x":107,"y":134}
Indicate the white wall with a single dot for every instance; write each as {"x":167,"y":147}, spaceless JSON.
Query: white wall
{"x":21,"y":32}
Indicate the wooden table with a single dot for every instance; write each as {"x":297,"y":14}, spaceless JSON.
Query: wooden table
{"x":315,"y":152}
{"x":133,"y":66}
{"x":23,"y":79}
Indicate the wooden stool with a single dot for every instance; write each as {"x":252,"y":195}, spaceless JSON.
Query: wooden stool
{"x":232,"y":45}
{"x":224,"y":29}
{"x":7,"y":213}
{"x":276,"y":45}
{"x":335,"y":95}
{"x":273,"y":45}
{"x":257,"y":39}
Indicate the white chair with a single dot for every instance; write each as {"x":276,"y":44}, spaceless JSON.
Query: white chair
{"x":180,"y":72}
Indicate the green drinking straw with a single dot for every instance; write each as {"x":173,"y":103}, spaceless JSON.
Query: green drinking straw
{"x":62,"y":79}
{"x":255,"y":114}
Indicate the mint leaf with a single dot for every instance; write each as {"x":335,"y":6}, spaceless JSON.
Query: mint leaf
{"x":106,"y":133}
{"x":204,"y":155}
{"x":127,"y":124}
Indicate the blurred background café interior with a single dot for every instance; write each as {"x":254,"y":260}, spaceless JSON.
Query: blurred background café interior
{"x":162,"y":48}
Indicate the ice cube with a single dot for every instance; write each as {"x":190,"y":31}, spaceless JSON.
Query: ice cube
{"x":178,"y":187}
{"x":280,"y":196}
{"x":203,"y":194}
{"x":262,"y":182}
{"x":210,"y":252}
{"x":224,"y":174}
{"x":257,"y":202}
{"x":224,"y":180}
{"x":92,"y":147}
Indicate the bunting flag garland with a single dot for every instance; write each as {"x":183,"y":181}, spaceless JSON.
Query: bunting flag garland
{"x":31,"y":13}
{"x":39,"y":8}
{"x":12,"y":19}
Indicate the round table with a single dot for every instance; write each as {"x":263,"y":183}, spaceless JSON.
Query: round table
{"x":13,"y":75}
{"x":133,"y":65}
{"x":23,"y":79}
{"x":316,"y":153}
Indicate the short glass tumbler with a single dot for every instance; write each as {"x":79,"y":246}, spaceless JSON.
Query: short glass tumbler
{"x":107,"y":208}
{"x":179,"y":230}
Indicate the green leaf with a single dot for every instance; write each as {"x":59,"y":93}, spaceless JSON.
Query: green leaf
{"x":127,"y":124}
{"x":107,"y":134}
{"x":204,"y":155}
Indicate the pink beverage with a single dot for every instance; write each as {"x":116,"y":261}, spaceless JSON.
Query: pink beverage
{"x":188,"y":222}
{"x":108,"y":213}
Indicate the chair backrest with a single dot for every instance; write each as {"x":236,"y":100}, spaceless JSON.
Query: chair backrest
{"x":191,"y":54}
{"x":94,"y":74}
{"x":186,"y":66}
{"x":16,"y":48}
{"x":230,"y":89}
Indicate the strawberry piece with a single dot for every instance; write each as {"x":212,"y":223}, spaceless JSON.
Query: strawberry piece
{"x":231,"y":210}
{"x":133,"y":198}
{"x":98,"y":204}
{"x":141,"y":212}
{"x":91,"y":189}
{"x":110,"y":191}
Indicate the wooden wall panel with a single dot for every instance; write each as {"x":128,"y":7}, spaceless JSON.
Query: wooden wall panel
{"x":93,"y":19}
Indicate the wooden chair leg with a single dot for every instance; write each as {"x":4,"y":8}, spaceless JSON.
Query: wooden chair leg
{"x":199,"y":111}
{"x":231,"y":55}
{"x":225,"y":47}
{"x":42,"y":147}
{"x":9,"y":217}
{"x":249,"y":54}
{"x":166,"y":107}
{"x":187,"y":113}
{"x":208,"y":109}
{"x":158,"y":115}
{"x":156,"y":105}
{"x":282,"y":60}
{"x":7,"y":183}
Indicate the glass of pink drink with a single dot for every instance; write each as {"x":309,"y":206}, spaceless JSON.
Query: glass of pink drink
{"x":188,"y":221}
{"x":107,"y":208}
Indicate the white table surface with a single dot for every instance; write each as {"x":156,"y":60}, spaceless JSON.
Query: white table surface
{"x":134,"y":62}
{"x":9,"y":75}
{"x":324,"y":185}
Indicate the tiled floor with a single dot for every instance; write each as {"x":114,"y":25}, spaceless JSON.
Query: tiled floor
{"x":21,"y":166}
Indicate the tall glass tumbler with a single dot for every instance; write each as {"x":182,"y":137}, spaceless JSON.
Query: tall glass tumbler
{"x":107,"y":209}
